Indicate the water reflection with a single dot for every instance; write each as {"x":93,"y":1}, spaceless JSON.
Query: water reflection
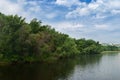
{"x":86,"y":60}
{"x":60,"y":70}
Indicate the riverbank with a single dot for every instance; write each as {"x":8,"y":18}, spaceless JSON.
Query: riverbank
{"x":110,"y":52}
{"x":4,"y":63}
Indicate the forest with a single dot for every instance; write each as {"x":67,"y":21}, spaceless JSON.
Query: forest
{"x":30,"y":42}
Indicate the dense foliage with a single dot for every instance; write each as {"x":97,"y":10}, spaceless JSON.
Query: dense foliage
{"x":88,"y":46}
{"x":110,"y":48}
{"x":21,"y":41}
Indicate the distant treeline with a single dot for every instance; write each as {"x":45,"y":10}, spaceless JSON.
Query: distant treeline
{"x":110,"y":48}
{"x":27,"y":42}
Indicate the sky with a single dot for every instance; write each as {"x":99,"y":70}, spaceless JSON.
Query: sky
{"x":91,"y":19}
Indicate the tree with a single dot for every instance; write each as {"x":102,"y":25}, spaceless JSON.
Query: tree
{"x":35,"y":25}
{"x":21,"y":41}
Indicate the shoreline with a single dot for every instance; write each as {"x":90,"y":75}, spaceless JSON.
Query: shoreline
{"x":109,"y":51}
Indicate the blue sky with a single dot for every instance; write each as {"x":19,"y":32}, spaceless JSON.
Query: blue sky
{"x":91,"y":19}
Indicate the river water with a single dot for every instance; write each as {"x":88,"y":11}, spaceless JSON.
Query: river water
{"x":95,"y":67}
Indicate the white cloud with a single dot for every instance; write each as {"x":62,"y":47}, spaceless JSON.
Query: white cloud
{"x":67,"y":3}
{"x":62,"y":26}
{"x":70,"y":28}
{"x":115,"y":11}
{"x":8,"y":7}
{"x":33,"y":5}
{"x":93,"y":6}
{"x":83,"y":10}
{"x":51,"y":15}
{"x":78,"y":12}
{"x":100,"y":16}
{"x":18,"y":7}
{"x":102,"y":26}
{"x":115,"y":4}
{"x":99,"y":9}
{"x":34,"y":8}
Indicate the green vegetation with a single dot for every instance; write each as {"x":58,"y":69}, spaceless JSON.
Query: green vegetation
{"x":109,"y":47}
{"x":29,"y":42}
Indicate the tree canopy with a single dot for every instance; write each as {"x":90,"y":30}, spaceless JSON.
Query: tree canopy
{"x":22,"y":41}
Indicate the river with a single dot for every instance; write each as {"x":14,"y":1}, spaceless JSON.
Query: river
{"x":90,"y":67}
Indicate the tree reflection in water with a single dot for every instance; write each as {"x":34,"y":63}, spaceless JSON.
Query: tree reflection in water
{"x":59,"y":70}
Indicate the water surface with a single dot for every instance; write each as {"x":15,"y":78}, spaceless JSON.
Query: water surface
{"x":94,"y":67}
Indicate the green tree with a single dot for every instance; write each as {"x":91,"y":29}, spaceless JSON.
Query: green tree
{"x":21,"y":41}
{"x":35,"y":25}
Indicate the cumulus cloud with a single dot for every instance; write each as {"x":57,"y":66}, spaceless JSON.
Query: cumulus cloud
{"x":51,"y":15}
{"x":67,"y":3}
{"x":19,"y":7}
{"x":102,"y":26}
{"x":115,"y":11}
{"x":96,"y":9}
{"x":7,"y":7}
{"x":65,"y":25}
{"x":73,"y":29}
